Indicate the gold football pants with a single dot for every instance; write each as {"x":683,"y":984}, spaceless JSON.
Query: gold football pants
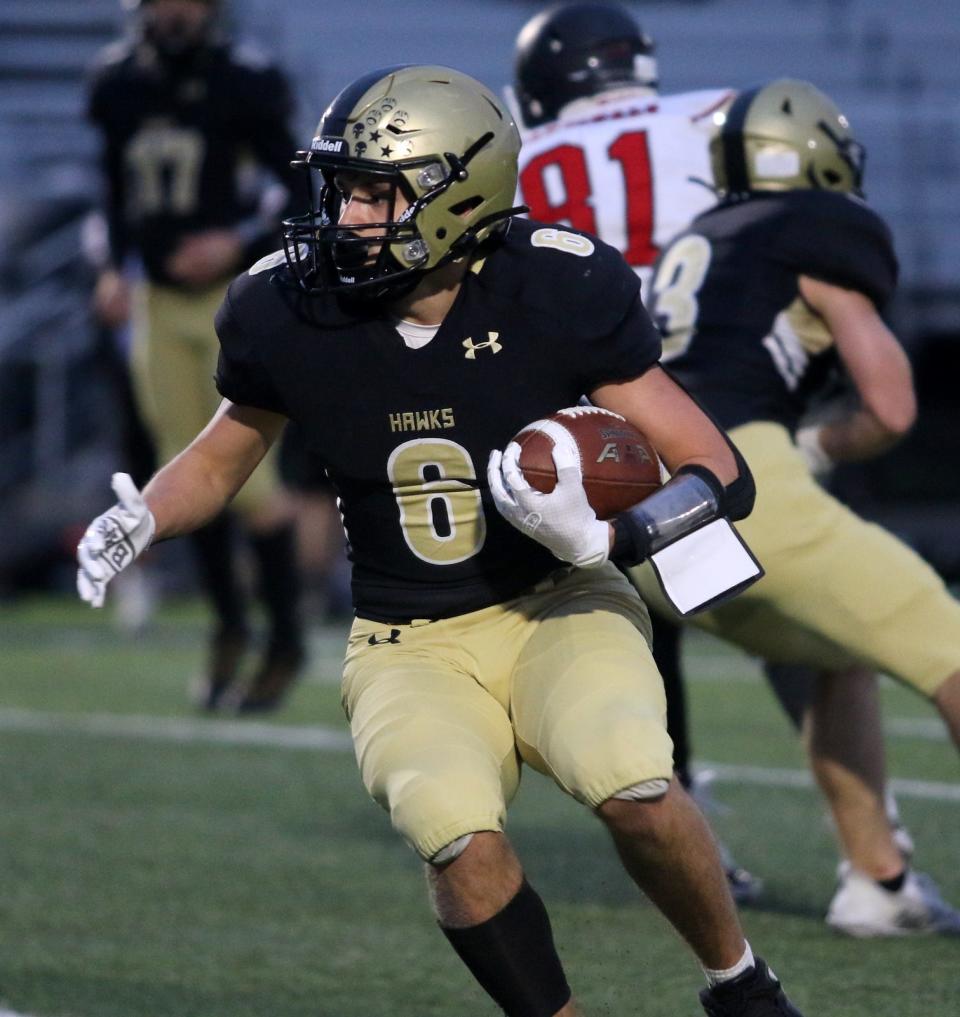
{"x":838,"y":590}
{"x":173,"y":361}
{"x":443,"y":712}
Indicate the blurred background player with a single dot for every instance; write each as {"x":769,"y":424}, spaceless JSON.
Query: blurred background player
{"x":189,"y":123}
{"x":758,"y":301}
{"x":604,"y":152}
{"x":607,"y":152}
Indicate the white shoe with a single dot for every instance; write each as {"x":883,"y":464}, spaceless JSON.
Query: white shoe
{"x":863,"y":908}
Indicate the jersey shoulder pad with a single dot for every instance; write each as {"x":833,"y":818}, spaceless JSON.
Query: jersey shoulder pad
{"x":257,"y":84}
{"x":275,"y":259}
{"x":266,"y":297}
{"x":112,"y":56}
{"x":260,"y":302}
{"x":573,"y":278}
{"x":840,"y":240}
{"x":108,"y":66}
{"x":249,"y":56}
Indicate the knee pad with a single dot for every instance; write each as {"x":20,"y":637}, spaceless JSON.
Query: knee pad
{"x":644,"y":791}
{"x":452,"y":850}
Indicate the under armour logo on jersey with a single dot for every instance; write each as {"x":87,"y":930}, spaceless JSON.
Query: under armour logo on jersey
{"x":492,"y":344}
{"x":394,"y":637}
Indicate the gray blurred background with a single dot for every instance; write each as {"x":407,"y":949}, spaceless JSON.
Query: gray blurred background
{"x":893,"y":67}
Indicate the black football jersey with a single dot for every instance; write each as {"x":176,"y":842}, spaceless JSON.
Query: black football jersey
{"x":178,"y":140}
{"x":405,"y":433}
{"x":726,"y":297}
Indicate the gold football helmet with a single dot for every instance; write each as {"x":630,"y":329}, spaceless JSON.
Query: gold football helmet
{"x":444,"y":141}
{"x":784,"y":136}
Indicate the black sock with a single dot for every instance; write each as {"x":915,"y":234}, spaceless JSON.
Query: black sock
{"x":214,"y":547}
{"x":895,"y":884}
{"x":513,"y":957}
{"x":279,"y":585}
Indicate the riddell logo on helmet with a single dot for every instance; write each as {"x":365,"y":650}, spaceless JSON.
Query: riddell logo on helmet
{"x":333,"y":145}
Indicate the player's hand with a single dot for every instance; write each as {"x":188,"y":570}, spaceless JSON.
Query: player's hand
{"x":809,"y":446}
{"x":562,"y":520}
{"x":111,"y":298}
{"x":202,"y":259}
{"x":113,"y":540}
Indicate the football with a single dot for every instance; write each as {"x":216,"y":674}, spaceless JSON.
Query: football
{"x":620,"y":467}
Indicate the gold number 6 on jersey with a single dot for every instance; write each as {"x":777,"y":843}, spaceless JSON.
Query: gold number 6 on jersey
{"x":441,"y":511}
{"x":679,"y":276}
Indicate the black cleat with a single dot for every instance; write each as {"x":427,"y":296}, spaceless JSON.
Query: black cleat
{"x":275,"y":676}
{"x":226,"y":653}
{"x":755,"y":993}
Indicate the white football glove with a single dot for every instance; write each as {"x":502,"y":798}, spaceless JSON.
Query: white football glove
{"x":562,"y":520}
{"x":113,"y":540}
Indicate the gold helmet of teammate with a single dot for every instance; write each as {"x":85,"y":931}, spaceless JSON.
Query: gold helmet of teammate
{"x":784,"y":136}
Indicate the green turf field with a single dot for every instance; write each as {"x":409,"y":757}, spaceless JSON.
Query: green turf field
{"x":158,"y":864}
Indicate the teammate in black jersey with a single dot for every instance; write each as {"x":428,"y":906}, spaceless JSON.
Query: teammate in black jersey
{"x":758,"y":301}
{"x":185,"y":118}
{"x":411,"y":327}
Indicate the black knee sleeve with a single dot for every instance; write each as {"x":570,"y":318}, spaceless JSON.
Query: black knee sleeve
{"x":794,"y":685}
{"x":666,"y":654}
{"x":513,"y":957}
{"x":214,"y":547}
{"x":279,"y":586}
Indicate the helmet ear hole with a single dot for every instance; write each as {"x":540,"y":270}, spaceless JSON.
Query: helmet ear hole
{"x":467,"y":205}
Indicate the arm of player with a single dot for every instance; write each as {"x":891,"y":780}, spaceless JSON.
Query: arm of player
{"x":879,"y":370}
{"x":710,"y":478}
{"x":188,"y":492}
{"x":684,"y":528}
{"x":681,"y":432}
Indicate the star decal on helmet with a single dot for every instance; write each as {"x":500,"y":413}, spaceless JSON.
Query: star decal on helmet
{"x":386,"y":151}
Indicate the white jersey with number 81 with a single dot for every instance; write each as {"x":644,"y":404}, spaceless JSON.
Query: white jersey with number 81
{"x":624,"y":167}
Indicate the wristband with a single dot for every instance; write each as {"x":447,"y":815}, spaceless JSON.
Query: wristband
{"x":685,"y":503}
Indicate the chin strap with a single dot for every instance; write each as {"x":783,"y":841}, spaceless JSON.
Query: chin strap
{"x":469,"y":239}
